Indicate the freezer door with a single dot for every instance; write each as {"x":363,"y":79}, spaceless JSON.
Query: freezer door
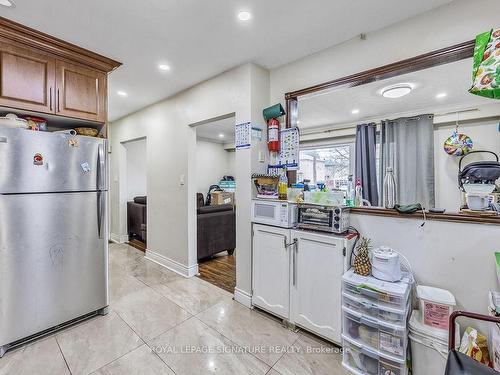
{"x":53,"y":260}
{"x":34,"y":162}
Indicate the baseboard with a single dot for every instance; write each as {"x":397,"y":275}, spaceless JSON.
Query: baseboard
{"x":116,"y":238}
{"x":172,"y":265}
{"x":243,"y":297}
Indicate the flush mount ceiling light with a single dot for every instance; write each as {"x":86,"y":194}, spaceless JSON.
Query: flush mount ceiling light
{"x":441,"y":95}
{"x":244,"y":16}
{"x":120,"y":93}
{"x":162,"y":67}
{"x":221,"y":135}
{"x":7,"y":3}
{"x":355,"y":111}
{"x":397,"y":91}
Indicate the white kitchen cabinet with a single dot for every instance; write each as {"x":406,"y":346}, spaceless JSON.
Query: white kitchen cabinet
{"x":318,"y":263}
{"x":271,"y":269}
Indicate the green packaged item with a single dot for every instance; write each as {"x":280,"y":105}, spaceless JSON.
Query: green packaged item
{"x":486,"y":69}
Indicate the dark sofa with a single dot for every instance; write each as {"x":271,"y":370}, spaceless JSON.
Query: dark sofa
{"x":216,"y":228}
{"x":137,"y":218}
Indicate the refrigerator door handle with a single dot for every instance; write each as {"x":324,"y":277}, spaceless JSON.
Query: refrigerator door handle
{"x":101,"y":167}
{"x":100,"y":213}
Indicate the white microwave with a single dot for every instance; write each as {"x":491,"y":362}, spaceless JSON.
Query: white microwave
{"x":274,"y":212}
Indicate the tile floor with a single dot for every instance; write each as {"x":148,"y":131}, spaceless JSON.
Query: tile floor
{"x":162,"y":323}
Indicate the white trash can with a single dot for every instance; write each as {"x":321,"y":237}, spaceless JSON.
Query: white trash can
{"x":429,"y":347}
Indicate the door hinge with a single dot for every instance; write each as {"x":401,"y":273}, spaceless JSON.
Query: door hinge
{"x":344,"y":251}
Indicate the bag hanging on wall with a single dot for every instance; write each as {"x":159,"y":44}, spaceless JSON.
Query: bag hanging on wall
{"x":486,"y":68}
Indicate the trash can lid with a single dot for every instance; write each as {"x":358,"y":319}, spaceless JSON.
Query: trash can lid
{"x":436,"y":295}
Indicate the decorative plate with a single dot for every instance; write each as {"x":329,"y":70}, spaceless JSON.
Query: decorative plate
{"x":458,"y":144}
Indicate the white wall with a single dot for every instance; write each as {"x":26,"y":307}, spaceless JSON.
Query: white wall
{"x":454,"y":256}
{"x":212,"y":163}
{"x":171,"y":145}
{"x":136,"y":168}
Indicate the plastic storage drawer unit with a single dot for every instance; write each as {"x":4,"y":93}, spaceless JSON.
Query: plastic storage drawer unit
{"x":360,"y":360}
{"x":376,"y":310}
{"x":394,"y":295}
{"x":376,"y":334}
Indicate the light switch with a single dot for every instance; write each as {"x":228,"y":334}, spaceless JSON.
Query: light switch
{"x":262,"y":158}
{"x":181,"y":180}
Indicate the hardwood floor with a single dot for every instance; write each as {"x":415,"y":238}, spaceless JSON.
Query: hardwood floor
{"x":139,"y":245}
{"x":219,"y":271}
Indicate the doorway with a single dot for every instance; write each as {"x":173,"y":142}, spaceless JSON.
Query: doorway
{"x":216,"y":208}
{"x":136,"y":192}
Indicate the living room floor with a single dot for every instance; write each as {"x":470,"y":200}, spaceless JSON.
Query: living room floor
{"x":162,"y":323}
{"x":219,"y":271}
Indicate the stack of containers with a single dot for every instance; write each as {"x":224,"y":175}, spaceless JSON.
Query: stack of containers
{"x":375,"y":314}
{"x":229,"y":186}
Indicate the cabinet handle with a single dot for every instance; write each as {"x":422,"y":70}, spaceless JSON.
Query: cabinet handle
{"x":294,"y":259}
{"x":58,"y":110}
{"x":50,"y":99}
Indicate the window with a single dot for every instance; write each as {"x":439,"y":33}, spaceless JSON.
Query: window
{"x":330,"y":165}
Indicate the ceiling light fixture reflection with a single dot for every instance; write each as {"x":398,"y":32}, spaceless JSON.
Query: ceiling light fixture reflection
{"x":355,"y":111}
{"x":441,"y":95}
{"x":122,"y":93}
{"x":164,"y":67}
{"x":397,"y":91}
{"x":7,"y":3}
{"x":244,"y":16}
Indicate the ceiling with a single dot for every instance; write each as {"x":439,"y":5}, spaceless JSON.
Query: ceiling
{"x":212,"y":131}
{"x":334,"y":109}
{"x":199,"y":39}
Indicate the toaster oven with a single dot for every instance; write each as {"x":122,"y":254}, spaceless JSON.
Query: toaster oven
{"x":323,"y":218}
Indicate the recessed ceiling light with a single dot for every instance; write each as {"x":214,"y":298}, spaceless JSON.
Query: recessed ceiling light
{"x":221,"y":135}
{"x":244,"y":16}
{"x":7,"y":3}
{"x":397,"y":91}
{"x":441,"y":95}
{"x":355,"y":111}
{"x":164,"y":67}
{"x":122,"y":93}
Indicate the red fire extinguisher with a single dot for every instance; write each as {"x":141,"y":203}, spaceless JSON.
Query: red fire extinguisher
{"x":273,"y":135}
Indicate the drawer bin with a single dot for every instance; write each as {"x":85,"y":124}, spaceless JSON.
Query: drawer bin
{"x":373,"y":333}
{"x":359,"y":360}
{"x":375,"y":310}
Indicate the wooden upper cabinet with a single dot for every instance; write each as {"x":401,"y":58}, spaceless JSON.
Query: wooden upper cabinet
{"x":26,"y":78}
{"x":80,"y":92}
{"x":44,"y":74}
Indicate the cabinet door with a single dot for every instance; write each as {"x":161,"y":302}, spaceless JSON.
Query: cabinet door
{"x":317,"y":266}
{"x":271,"y":270}
{"x":26,"y":78}
{"x":81,"y":92}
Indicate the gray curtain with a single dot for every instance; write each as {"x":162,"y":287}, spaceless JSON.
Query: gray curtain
{"x":407,"y":145}
{"x":366,"y":161}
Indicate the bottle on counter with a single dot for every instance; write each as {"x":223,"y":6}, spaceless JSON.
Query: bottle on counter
{"x":389,"y":189}
{"x":358,"y":196}
{"x":283,"y":186}
{"x":350,"y":192}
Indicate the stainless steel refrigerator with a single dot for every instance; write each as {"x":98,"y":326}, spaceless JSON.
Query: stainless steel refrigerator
{"x":53,"y":232}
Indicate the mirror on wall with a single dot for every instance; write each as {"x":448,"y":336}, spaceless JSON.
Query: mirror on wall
{"x":406,"y":119}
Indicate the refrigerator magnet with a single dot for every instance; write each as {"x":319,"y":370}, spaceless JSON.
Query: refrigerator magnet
{"x":85,"y":167}
{"x":38,"y":159}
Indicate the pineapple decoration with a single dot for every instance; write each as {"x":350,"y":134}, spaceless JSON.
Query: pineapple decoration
{"x":362,"y":265}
